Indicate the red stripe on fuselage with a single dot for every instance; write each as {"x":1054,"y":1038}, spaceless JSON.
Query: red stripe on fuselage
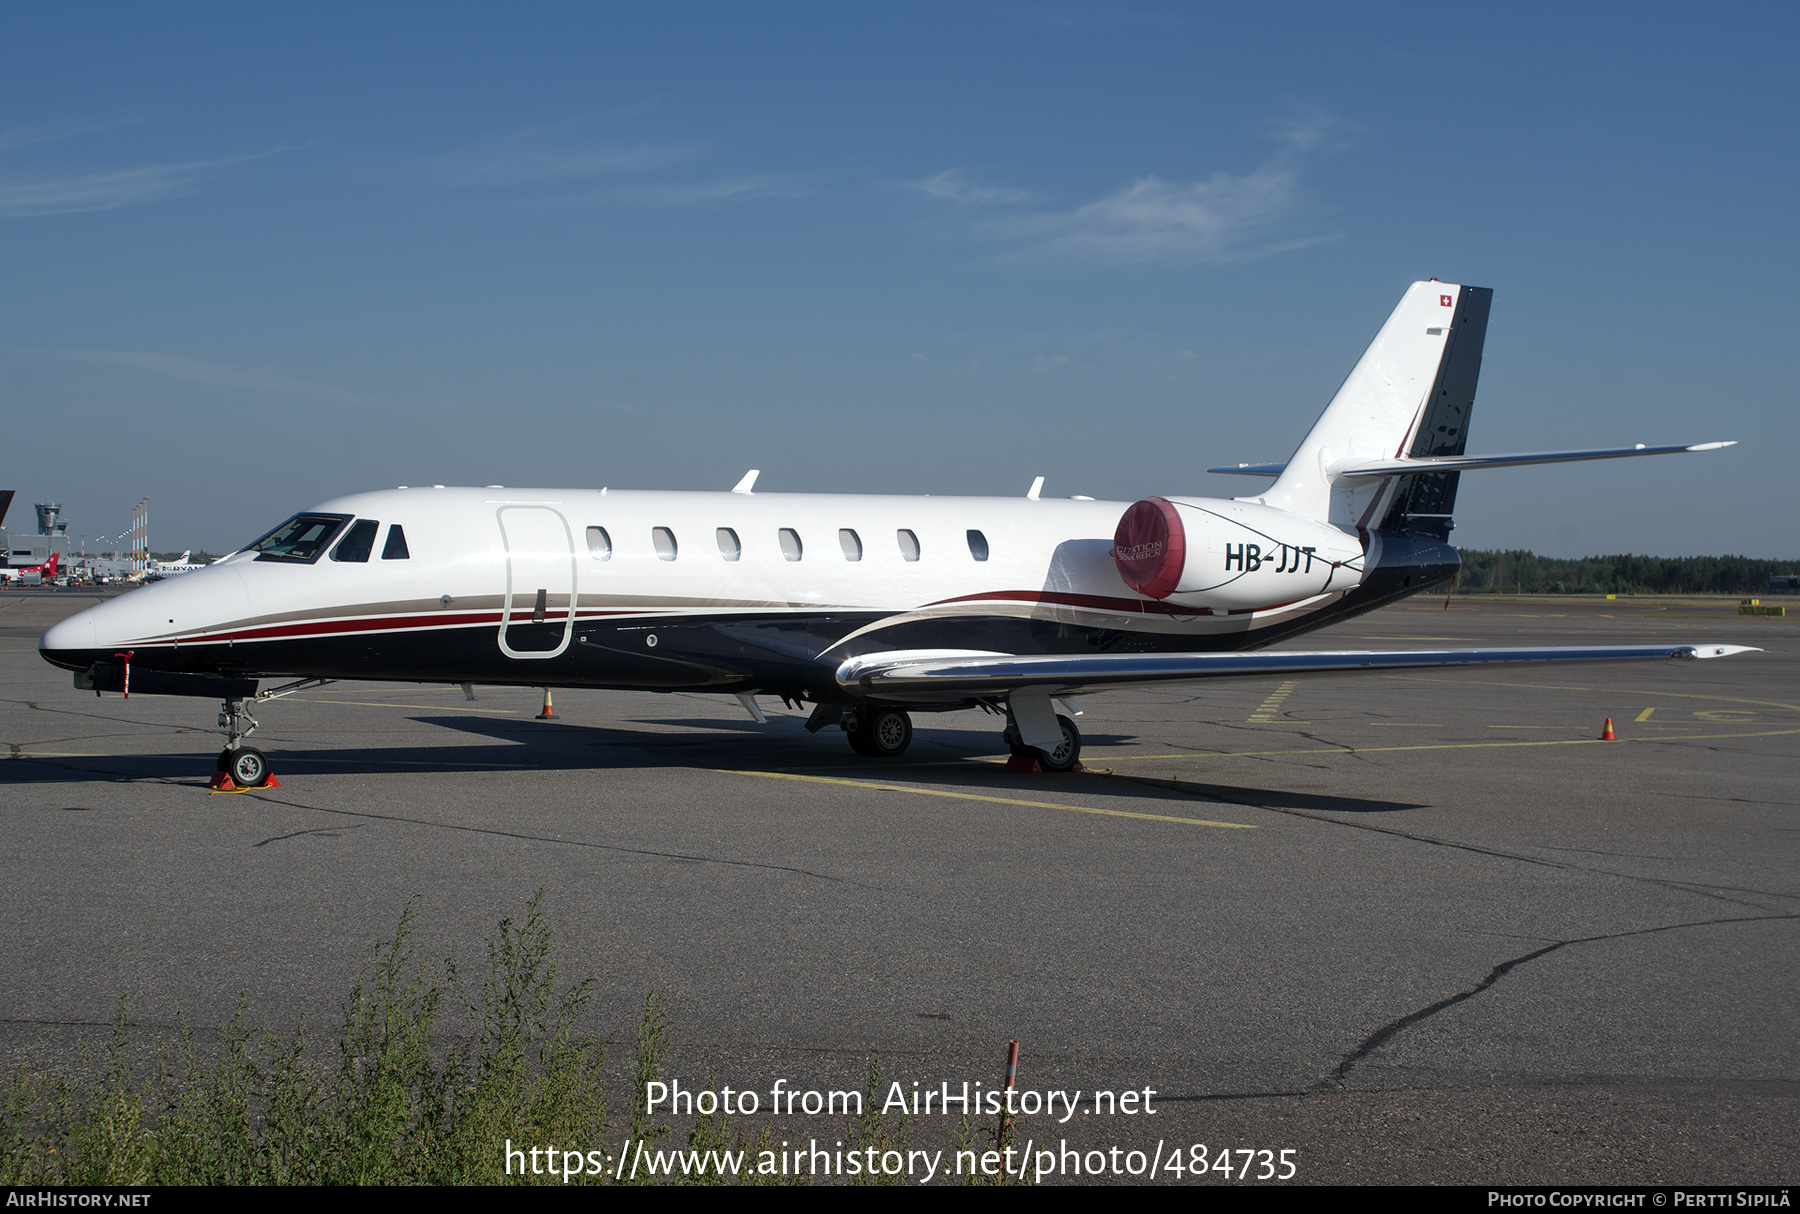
{"x":311,"y":628}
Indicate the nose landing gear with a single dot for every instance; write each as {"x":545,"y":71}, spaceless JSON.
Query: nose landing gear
{"x":244,"y":767}
{"x":240,"y":767}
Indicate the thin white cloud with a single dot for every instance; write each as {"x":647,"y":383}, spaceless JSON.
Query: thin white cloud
{"x":951,"y":186}
{"x":1226,"y":217}
{"x":1223,"y":217}
{"x":678,"y":194}
{"x":107,"y":191}
{"x":50,"y":132}
{"x":1087,"y":15}
{"x":539,"y":156}
{"x":222,"y":375}
{"x":561,"y":166}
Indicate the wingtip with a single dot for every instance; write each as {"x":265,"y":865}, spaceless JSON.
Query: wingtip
{"x":1701,"y":652}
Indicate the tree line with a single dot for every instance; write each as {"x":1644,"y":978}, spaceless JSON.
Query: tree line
{"x":1521,"y":571}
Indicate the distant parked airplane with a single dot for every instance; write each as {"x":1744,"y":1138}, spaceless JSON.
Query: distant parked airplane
{"x":31,"y":575}
{"x":181,"y":564}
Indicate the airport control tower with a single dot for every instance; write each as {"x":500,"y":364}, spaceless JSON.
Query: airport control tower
{"x":21,"y":548}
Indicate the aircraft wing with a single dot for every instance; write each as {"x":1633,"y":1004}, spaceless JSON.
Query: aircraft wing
{"x":936,"y":674}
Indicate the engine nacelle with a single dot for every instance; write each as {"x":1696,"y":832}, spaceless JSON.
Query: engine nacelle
{"x":1204,"y":552}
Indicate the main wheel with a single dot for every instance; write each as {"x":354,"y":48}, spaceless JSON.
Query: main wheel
{"x":1064,"y":757}
{"x":247,"y":767}
{"x":882,"y":732}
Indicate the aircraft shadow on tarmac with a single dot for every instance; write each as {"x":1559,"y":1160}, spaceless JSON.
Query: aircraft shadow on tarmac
{"x":529,"y":745}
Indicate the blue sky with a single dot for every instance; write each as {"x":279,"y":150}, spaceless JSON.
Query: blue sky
{"x":253,"y":259}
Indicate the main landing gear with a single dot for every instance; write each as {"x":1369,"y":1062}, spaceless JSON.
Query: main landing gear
{"x":1065,"y":756}
{"x":887,"y":732}
{"x":882,"y":732}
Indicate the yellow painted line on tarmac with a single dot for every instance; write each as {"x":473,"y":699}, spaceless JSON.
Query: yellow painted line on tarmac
{"x":1645,"y":715}
{"x":1361,"y":750}
{"x":61,"y":754}
{"x":1676,"y":695}
{"x":969,"y":796}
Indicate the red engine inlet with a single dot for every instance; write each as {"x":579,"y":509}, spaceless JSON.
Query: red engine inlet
{"x":1150,"y":547}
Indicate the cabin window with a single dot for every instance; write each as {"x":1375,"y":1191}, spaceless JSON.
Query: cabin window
{"x":599,"y":544}
{"x":358,"y":542}
{"x":302,"y":538}
{"x":729,"y":548}
{"x":790,"y":544}
{"x":395,"y":548}
{"x":909,"y":545}
{"x":978,"y":546}
{"x":852,"y":546}
{"x":664,"y":539}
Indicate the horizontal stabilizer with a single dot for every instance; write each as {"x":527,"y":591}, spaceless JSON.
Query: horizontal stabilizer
{"x":1466,"y":463}
{"x":1253,"y":469}
{"x":917,"y":674}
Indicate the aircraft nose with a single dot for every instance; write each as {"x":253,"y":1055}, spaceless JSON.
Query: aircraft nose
{"x":70,"y":644}
{"x":148,"y":616}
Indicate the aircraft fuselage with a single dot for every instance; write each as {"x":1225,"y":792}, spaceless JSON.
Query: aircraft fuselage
{"x":729,"y":591}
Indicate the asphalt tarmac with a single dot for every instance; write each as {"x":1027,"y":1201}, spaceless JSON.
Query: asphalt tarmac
{"x":1411,"y":928}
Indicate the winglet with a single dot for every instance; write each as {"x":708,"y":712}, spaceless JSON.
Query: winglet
{"x":744,"y":486}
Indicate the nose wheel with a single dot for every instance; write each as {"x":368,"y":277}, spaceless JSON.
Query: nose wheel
{"x":240,"y":767}
{"x":245,"y":767}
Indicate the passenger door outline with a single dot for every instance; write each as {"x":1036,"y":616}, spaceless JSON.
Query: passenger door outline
{"x":544,"y":562}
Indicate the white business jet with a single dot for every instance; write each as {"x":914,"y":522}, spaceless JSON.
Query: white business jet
{"x":867,"y":608}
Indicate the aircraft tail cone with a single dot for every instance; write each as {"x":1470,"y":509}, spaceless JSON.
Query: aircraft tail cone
{"x":549,"y":713}
{"x":1606,"y":735}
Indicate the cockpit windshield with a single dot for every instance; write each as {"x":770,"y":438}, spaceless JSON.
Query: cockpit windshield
{"x":302,"y":538}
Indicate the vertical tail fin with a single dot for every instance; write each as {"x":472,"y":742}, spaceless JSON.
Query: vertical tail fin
{"x":1411,"y":393}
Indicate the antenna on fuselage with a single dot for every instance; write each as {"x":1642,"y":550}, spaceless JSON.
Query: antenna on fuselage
{"x":1037,"y":487}
{"x":744,"y":485}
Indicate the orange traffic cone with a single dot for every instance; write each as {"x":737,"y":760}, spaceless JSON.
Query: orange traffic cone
{"x":549,"y":713}
{"x":1606,"y":735}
